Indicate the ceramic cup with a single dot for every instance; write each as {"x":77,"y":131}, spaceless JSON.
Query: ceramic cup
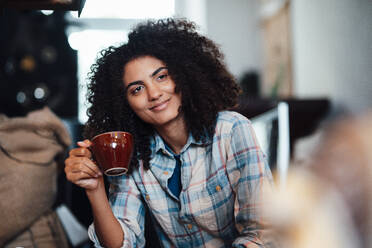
{"x":113,"y":152}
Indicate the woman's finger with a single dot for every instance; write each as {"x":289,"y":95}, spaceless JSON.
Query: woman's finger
{"x":74,"y":176}
{"x":83,"y":180}
{"x":84,"y":143}
{"x":92,"y":166}
{"x":83,"y":164}
{"x":87,"y":170}
{"x":80,"y":152}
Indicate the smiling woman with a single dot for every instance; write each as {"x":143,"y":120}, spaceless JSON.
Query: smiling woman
{"x":193,"y":159}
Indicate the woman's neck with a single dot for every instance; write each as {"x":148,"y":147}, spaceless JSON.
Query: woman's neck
{"x":174,"y":134}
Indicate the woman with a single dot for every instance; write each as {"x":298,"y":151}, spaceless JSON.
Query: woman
{"x":197,"y":168}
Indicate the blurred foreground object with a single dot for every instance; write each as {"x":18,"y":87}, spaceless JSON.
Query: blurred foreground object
{"x":328,"y":200}
{"x":32,"y":149}
{"x":77,"y":5}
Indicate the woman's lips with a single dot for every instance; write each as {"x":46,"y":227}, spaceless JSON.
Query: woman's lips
{"x":160,"y":106}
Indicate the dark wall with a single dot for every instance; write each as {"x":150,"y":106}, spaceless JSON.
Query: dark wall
{"x":37,"y":66}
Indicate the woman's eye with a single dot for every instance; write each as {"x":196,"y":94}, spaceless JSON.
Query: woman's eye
{"x":136,"y":89}
{"x":162,"y":77}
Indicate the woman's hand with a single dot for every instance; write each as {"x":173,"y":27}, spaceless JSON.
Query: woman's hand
{"x":81,"y":170}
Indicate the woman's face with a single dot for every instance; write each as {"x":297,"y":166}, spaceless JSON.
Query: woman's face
{"x":151,"y":91}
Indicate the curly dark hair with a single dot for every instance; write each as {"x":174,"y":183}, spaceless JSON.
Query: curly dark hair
{"x":194,"y":62}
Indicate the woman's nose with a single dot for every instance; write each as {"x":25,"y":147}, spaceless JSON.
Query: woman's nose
{"x":154,"y":92}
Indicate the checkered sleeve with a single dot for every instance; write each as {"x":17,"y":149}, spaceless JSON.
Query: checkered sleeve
{"x":249,"y":174}
{"x":127,"y":206}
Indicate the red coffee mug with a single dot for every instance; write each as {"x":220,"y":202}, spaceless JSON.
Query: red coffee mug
{"x":113,"y":152}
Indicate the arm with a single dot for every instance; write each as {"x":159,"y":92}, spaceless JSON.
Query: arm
{"x":115,"y":224}
{"x":126,"y":206}
{"x":250,"y":176}
{"x":82,"y":171}
{"x":107,"y":227}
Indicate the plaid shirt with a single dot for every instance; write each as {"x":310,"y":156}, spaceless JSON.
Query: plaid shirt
{"x":222,"y":188}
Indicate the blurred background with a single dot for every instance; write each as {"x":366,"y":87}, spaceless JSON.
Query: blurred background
{"x":314,"y":56}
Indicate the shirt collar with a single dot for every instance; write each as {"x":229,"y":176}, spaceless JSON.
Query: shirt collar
{"x":157,"y":143}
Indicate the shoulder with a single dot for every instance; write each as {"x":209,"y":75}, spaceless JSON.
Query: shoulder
{"x":233,"y":127}
{"x":230,"y":119}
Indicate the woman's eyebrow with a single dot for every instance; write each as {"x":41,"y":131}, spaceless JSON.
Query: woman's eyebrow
{"x":152,"y":74}
{"x":157,"y":70}
{"x":134,"y":83}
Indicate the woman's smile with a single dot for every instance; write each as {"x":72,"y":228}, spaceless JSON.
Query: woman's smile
{"x":161,"y":106}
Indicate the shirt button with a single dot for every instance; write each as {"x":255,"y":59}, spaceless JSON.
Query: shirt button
{"x":218,"y":188}
{"x":189,"y":226}
{"x":147,"y":197}
{"x":213,"y":226}
{"x":165,"y":172}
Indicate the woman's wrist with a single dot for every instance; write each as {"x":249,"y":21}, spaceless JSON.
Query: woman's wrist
{"x":96,"y":192}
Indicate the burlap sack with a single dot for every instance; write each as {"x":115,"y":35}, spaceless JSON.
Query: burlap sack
{"x":45,"y":232}
{"x":29,"y":149}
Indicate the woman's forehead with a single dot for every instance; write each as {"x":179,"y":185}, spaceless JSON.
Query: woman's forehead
{"x":139,"y":67}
